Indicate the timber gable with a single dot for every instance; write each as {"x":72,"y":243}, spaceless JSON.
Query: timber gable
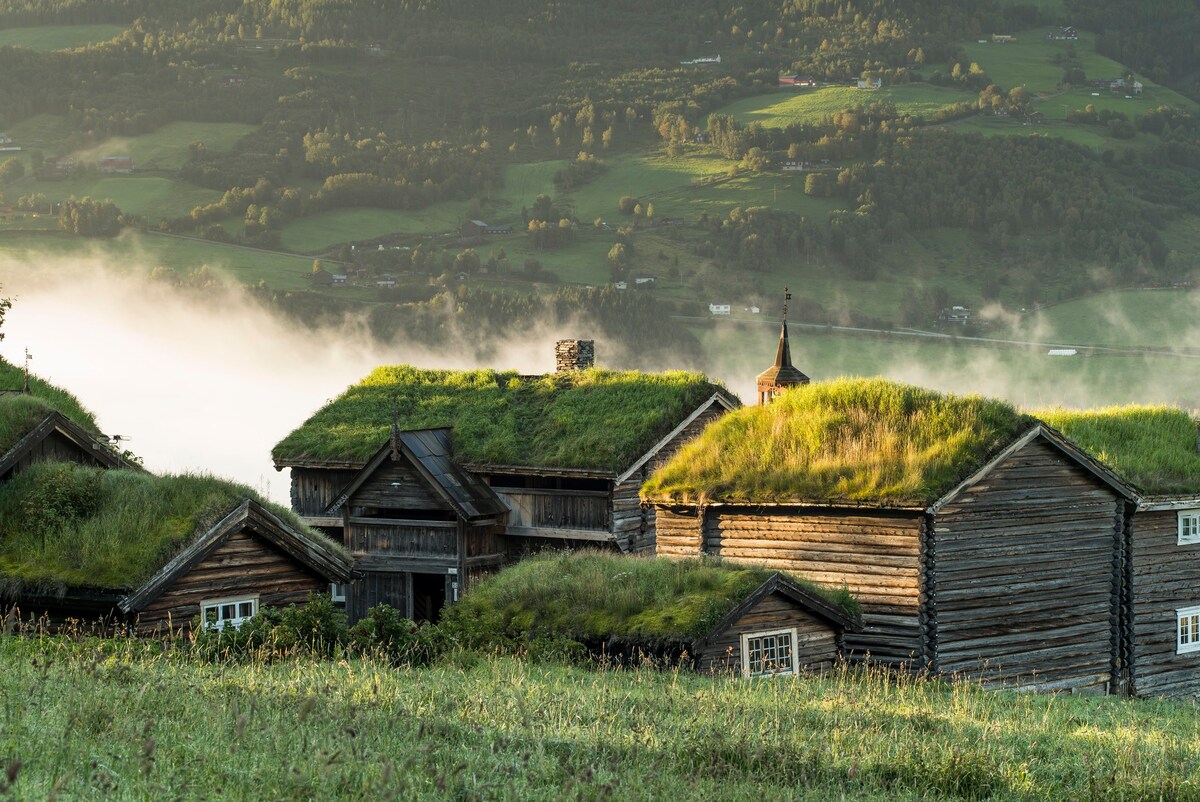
{"x":57,"y":438}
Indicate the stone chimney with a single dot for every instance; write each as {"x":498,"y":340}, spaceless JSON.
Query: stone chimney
{"x":573,"y":355}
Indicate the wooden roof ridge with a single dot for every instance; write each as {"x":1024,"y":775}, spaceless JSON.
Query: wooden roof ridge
{"x":470,"y":498}
{"x":1055,"y":438}
{"x":56,"y":421}
{"x":785,"y":586}
{"x":311,"y":549}
{"x":721,"y":396}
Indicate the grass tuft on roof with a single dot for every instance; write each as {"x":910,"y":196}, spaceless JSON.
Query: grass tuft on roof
{"x":64,"y":525}
{"x":1154,"y":448}
{"x":20,"y":413}
{"x":596,"y":595}
{"x":867,"y":441}
{"x":598,"y":420}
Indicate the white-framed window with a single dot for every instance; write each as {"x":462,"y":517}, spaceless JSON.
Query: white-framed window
{"x":1187,"y":630}
{"x":221,"y":613}
{"x":337,"y":592}
{"x":766,"y":654}
{"x":1189,"y":527}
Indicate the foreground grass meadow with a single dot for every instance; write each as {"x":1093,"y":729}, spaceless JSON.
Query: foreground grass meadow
{"x":127,"y":720}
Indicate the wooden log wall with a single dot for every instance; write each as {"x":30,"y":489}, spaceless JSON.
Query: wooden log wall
{"x":1165,"y":578}
{"x":815,"y":649}
{"x":875,"y":554}
{"x":314,"y":489}
{"x":680,"y":531}
{"x":633,"y":523}
{"x":556,"y":509}
{"x":244,"y":565}
{"x":1027,"y":576}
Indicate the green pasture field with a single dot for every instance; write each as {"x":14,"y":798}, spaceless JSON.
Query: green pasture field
{"x":166,"y":148}
{"x":142,"y":252}
{"x":40,"y":131}
{"x":128,"y":721}
{"x":808,"y":106}
{"x":1029,"y":378}
{"x":151,"y":197}
{"x":318,"y":232}
{"x":1157,"y":318}
{"x":58,"y":37}
{"x":1091,"y":136}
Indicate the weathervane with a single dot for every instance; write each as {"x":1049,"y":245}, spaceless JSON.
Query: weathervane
{"x":787,"y":296}
{"x":28,"y":356}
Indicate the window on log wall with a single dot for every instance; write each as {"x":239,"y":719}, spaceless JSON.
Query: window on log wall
{"x":766,"y":654}
{"x":1189,"y":630}
{"x":1189,"y":527}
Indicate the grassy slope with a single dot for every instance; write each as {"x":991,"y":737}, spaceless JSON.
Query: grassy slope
{"x":1152,"y":447}
{"x":598,"y":419}
{"x":83,"y":719}
{"x":810,"y":106}
{"x":58,"y":37}
{"x":63,"y":525}
{"x":595,"y":595}
{"x":19,"y":414}
{"x":859,"y":440}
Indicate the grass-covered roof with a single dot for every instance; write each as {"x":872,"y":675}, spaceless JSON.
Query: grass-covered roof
{"x":597,"y":420}
{"x":64,"y":525}
{"x":20,"y":413}
{"x":1151,"y":447}
{"x":598,"y":595}
{"x":867,"y":441}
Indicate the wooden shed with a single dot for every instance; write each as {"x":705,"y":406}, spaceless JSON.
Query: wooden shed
{"x":1155,"y":450}
{"x":154,"y":553}
{"x":714,"y":616}
{"x":420,"y":528}
{"x":567,"y":452}
{"x":977,"y":540}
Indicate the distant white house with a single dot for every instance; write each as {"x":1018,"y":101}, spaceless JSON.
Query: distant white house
{"x":621,"y":285}
{"x":754,"y":310}
{"x":872,"y":83}
{"x":703,"y":60}
{"x":1061,"y":352}
{"x":718,"y":309}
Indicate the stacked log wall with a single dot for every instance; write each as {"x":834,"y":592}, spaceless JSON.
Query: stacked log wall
{"x":1165,"y":578}
{"x":243,"y":565}
{"x":874,"y":554}
{"x":815,"y":649}
{"x":314,"y":489}
{"x":1028,"y":574}
{"x":680,"y":532}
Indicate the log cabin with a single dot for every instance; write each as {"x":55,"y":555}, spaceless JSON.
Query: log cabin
{"x":978,"y":541}
{"x":548,"y":460}
{"x":1156,"y":451}
{"x":152,"y":553}
{"x":713,"y":616}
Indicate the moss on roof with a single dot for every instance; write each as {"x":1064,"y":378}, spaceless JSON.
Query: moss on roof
{"x":1151,"y":447}
{"x":867,"y":441}
{"x":64,"y":525}
{"x":597,"y":595}
{"x":597,"y":420}
{"x":20,"y":413}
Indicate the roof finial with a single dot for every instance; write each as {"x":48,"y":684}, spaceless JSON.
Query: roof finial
{"x":28,"y":356}
{"x":787,"y":296}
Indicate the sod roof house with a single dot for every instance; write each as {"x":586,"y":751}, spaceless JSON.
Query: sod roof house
{"x":724,"y":618}
{"x":554,"y":459}
{"x":976,"y":539}
{"x":153,"y":552}
{"x":1155,"y":450}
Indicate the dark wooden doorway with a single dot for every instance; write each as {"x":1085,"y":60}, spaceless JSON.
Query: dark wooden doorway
{"x":428,"y":596}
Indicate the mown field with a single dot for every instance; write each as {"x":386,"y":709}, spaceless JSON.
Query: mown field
{"x":809,"y":106}
{"x":115,"y":720}
{"x":58,"y":37}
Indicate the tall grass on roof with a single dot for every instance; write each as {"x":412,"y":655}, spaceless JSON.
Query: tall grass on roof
{"x":861,"y":440}
{"x":65,"y":525}
{"x":19,"y":414}
{"x":595,"y":419}
{"x":596,"y":595}
{"x":1152,"y":447}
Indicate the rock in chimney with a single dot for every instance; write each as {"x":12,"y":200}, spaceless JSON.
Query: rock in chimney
{"x":572,"y":355}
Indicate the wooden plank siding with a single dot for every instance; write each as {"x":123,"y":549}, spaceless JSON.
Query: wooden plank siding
{"x":385,"y":538}
{"x":243,"y":565}
{"x":816,"y":647}
{"x":1165,"y":578}
{"x":314,"y":489}
{"x":396,"y":485}
{"x":54,"y":447}
{"x":874,"y":554}
{"x":556,"y":509}
{"x":1026,"y":576}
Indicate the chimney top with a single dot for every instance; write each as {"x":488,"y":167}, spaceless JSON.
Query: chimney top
{"x":574,"y":355}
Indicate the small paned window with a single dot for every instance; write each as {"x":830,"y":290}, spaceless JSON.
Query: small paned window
{"x":766,"y":654}
{"x":1189,"y":527}
{"x":222,"y":613}
{"x":337,"y":592}
{"x":1187,"y":627}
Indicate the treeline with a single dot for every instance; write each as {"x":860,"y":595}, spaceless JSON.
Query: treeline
{"x":1159,"y":39}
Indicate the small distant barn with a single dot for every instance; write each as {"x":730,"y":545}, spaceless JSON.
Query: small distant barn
{"x":977,"y":540}
{"x":1156,"y":450}
{"x":116,"y":164}
{"x":50,"y":436}
{"x":155,"y":553}
{"x":717,"y":617}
